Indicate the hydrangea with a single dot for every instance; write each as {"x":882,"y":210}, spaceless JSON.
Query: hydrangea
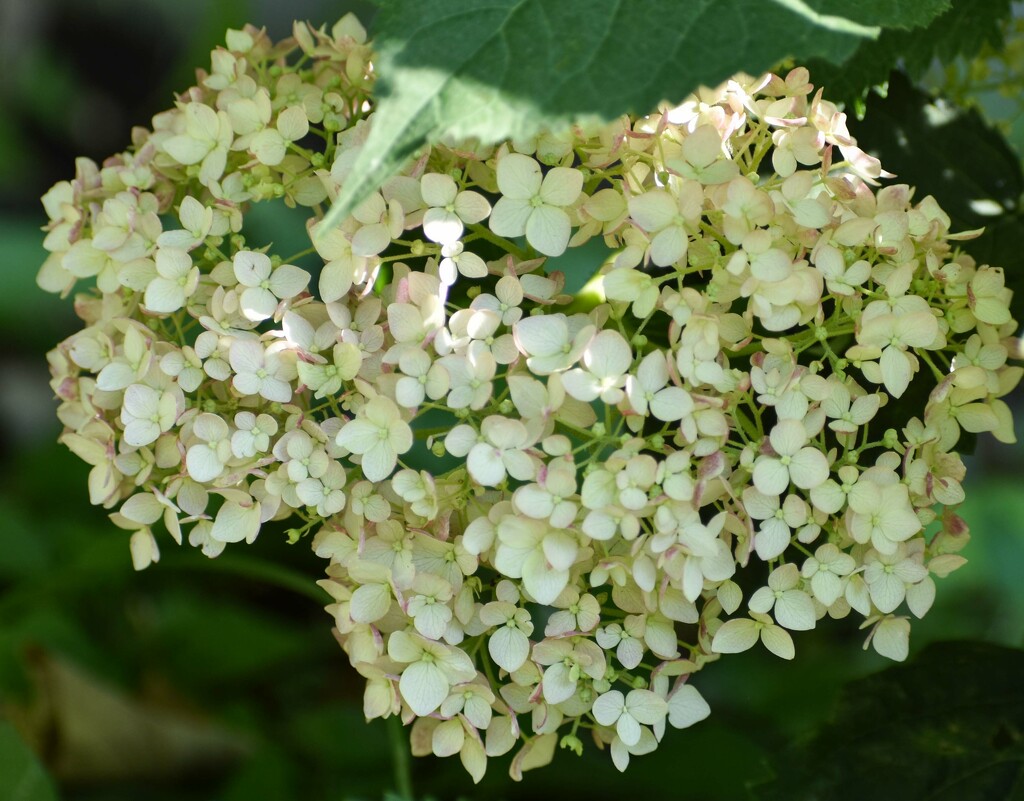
{"x":538,"y":510}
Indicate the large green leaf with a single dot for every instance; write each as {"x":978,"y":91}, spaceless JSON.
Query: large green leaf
{"x":961,"y":31}
{"x":947,"y":726}
{"x":498,"y":69}
{"x":966,"y":164}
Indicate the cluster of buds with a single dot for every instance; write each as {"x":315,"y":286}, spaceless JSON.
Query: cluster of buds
{"x":543,"y":511}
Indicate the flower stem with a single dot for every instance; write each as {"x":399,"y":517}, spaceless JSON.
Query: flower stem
{"x":400,"y":758}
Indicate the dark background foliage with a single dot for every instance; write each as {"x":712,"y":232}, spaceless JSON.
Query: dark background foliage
{"x":201,"y":680}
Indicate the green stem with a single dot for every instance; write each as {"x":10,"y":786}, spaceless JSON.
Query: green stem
{"x":400,"y":758}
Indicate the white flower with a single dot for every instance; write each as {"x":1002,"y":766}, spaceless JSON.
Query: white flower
{"x":606,"y":359}
{"x":431,"y":669}
{"x":666,"y":216}
{"x":882,"y":515}
{"x":509,"y":645}
{"x":502,"y":451}
{"x":793,"y":607}
{"x":889,"y":575}
{"x":552,"y":342}
{"x":449,"y":209}
{"x":264,"y":285}
{"x":253,"y":434}
{"x":893,"y":334}
{"x":539,"y":555}
{"x":177,"y":279}
{"x":826,"y":570}
{"x":649,"y":392}
{"x":378,"y":434}
{"x":741,"y":634}
{"x":205,"y":460}
{"x":628,"y":712}
{"x":806,"y":467}
{"x":147,"y":413}
{"x":534,"y":206}
{"x":258,"y":372}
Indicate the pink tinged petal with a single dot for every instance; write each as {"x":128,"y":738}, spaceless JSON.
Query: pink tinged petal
{"x":519,"y":177}
{"x":423,"y":686}
{"x":808,"y":468}
{"x":669,"y":246}
{"x":519,"y":465}
{"x":561,"y":186}
{"x":777,"y":640}
{"x":735,"y":636}
{"x":510,"y":216}
{"x":548,"y":230}
{"x":442,"y":226}
{"x":509,"y":648}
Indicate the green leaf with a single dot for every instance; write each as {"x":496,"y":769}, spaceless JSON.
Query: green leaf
{"x":947,"y":726}
{"x":961,"y":31}
{"x":966,"y":164}
{"x":22,"y":777}
{"x":507,"y":68}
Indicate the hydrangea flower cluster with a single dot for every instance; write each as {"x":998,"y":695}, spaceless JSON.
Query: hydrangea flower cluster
{"x":543,"y":512}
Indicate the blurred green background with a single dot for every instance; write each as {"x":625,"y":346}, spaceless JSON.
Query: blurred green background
{"x":220,"y":679}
